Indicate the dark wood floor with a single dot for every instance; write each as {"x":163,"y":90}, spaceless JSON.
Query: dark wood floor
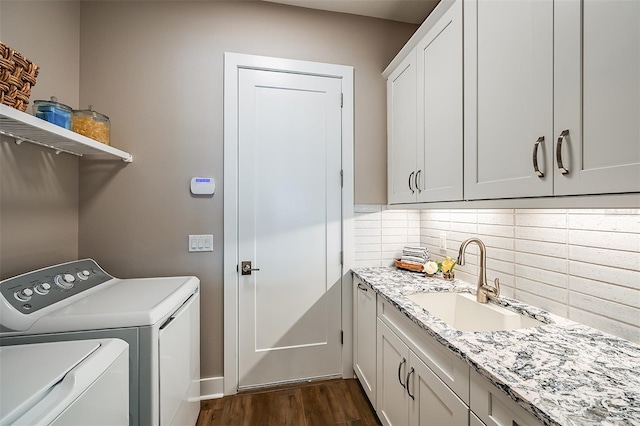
{"x":325,"y":403}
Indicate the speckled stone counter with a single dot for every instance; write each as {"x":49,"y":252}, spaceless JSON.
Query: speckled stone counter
{"x":564,"y":373}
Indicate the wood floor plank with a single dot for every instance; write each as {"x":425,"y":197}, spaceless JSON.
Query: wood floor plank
{"x":323,"y":403}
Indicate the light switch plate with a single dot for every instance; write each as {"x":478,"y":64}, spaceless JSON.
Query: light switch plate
{"x":442,"y":247}
{"x":200,"y":243}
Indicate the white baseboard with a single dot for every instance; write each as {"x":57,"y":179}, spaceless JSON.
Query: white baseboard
{"x":211,"y":388}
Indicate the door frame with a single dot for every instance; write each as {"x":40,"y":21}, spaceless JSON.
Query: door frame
{"x":232,"y":63}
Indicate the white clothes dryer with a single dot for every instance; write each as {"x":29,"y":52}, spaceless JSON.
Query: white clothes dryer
{"x":158,"y":317}
{"x":65,"y":383}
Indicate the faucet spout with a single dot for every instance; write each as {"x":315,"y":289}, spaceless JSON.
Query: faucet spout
{"x":483,"y":290}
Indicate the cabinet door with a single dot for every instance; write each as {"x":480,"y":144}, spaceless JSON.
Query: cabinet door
{"x":432,"y":402}
{"x":508,"y":78}
{"x":401,"y":132}
{"x":495,"y":408}
{"x":597,"y":95}
{"x":393,"y":357}
{"x":364,"y":334}
{"x":439,"y":89}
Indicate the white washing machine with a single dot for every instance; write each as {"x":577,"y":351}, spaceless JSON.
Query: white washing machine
{"x":65,"y":383}
{"x":158,"y":317}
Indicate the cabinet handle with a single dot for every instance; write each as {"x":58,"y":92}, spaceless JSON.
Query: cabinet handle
{"x":407,"y":383}
{"x":561,"y":138}
{"x":410,"y":187}
{"x":404,"y":360}
{"x":535,"y":156}
{"x":418,"y":181}
{"x":361,"y":287}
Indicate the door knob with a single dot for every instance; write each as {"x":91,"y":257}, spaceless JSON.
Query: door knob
{"x":246,"y":267}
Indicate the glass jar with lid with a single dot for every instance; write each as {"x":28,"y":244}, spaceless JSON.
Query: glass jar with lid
{"x":53,"y":111}
{"x":92,"y":124}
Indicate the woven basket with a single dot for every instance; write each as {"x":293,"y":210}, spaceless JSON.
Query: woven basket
{"x":17,"y":75}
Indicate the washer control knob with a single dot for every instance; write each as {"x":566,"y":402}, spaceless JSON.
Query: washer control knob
{"x":24,"y":294}
{"x":84,"y":275}
{"x":64,"y":280}
{"x":43,"y":288}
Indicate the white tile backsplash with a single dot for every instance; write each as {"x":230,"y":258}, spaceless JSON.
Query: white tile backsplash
{"x":583,"y":264}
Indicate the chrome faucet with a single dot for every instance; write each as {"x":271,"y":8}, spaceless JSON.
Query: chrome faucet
{"x":483,"y":290}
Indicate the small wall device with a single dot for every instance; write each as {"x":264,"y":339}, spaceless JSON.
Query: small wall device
{"x":203,"y":186}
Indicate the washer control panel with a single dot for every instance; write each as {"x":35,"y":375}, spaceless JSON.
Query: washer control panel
{"x":38,"y":289}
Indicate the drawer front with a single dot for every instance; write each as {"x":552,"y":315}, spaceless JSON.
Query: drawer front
{"x":495,"y":408}
{"x":453,"y":371}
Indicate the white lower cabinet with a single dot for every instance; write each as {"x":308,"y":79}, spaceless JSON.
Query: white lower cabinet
{"x":364,"y":337}
{"x":474,"y":420}
{"x":494,"y":408}
{"x":409,"y":393}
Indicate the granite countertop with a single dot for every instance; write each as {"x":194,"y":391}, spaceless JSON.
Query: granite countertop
{"x":564,"y":373}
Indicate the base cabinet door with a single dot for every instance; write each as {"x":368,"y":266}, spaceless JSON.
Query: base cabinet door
{"x":364,"y":335}
{"x":432,"y":402}
{"x":393,"y":357}
{"x":474,"y":420}
{"x":495,"y":408}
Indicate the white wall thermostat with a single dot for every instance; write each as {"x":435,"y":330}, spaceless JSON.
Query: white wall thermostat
{"x":203,"y":186}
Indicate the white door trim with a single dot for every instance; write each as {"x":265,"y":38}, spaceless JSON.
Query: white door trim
{"x":232,"y":62}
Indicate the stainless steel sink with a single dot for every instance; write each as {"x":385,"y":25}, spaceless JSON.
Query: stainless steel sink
{"x":462,"y":312}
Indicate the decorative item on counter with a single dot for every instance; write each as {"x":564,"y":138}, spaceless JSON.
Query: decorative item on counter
{"x":413,"y":258}
{"x":446,"y":266}
{"x":431,"y":268}
{"x":17,"y":76}
{"x":53,"y":112}
{"x":92,"y":124}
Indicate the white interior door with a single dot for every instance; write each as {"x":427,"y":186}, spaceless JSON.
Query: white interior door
{"x":289,"y":226}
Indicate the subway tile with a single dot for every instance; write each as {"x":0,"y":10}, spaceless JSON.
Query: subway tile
{"x":366,"y":263}
{"x":503,"y":278}
{"x":498,"y":265}
{"x":536,"y":261}
{"x":498,"y":242}
{"x":554,"y":293}
{"x":499,"y":254}
{"x":552,"y":235}
{"x":395,"y":224}
{"x":605,"y":324}
{"x":358,"y":240}
{"x":608,"y":240}
{"x":368,"y":248}
{"x":490,"y":218}
{"x":437,"y":215}
{"x":607,"y":291}
{"x":368,"y":216}
{"x":465,"y":228}
{"x":394,"y":215}
{"x":394,"y":231}
{"x":549,"y":220}
{"x":605,"y":211}
{"x":541,"y":275}
{"x":361,"y":224}
{"x":507,"y":291}
{"x":614,"y":258}
{"x":393,"y":247}
{"x":390,"y":239}
{"x":605,"y":222}
{"x":464,"y":217}
{"x":497,"y":230}
{"x":367,"y":232}
{"x":434,"y":224}
{"x":540,"y":211}
{"x":617,"y":276}
{"x":541,"y":248}
{"x":363,"y":255}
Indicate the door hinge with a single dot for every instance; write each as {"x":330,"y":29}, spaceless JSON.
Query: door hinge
{"x":342,"y":257}
{"x":341,"y":178}
{"x":341,"y":100}
{"x":341,"y":337}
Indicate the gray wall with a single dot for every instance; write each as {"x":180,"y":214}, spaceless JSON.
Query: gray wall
{"x":38,"y":189}
{"x":156,"y":68}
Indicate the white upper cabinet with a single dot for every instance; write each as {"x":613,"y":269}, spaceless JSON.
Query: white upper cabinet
{"x":552,"y":98}
{"x":424,"y":107}
{"x":508,"y":92}
{"x":597,"y":96}
{"x":439,"y":88}
{"x":401,"y":129}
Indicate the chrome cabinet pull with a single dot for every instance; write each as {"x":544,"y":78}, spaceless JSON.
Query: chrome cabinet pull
{"x":361,"y":287}
{"x":407,"y":381}
{"x":404,"y":360}
{"x":418,"y":181}
{"x":410,"y":187}
{"x":535,"y":156}
{"x":561,"y":138}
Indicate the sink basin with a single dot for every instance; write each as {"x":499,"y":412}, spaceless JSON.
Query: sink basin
{"x":462,"y":312}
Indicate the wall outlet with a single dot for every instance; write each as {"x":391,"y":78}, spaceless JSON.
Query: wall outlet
{"x":442,"y":245}
{"x":200,"y":243}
